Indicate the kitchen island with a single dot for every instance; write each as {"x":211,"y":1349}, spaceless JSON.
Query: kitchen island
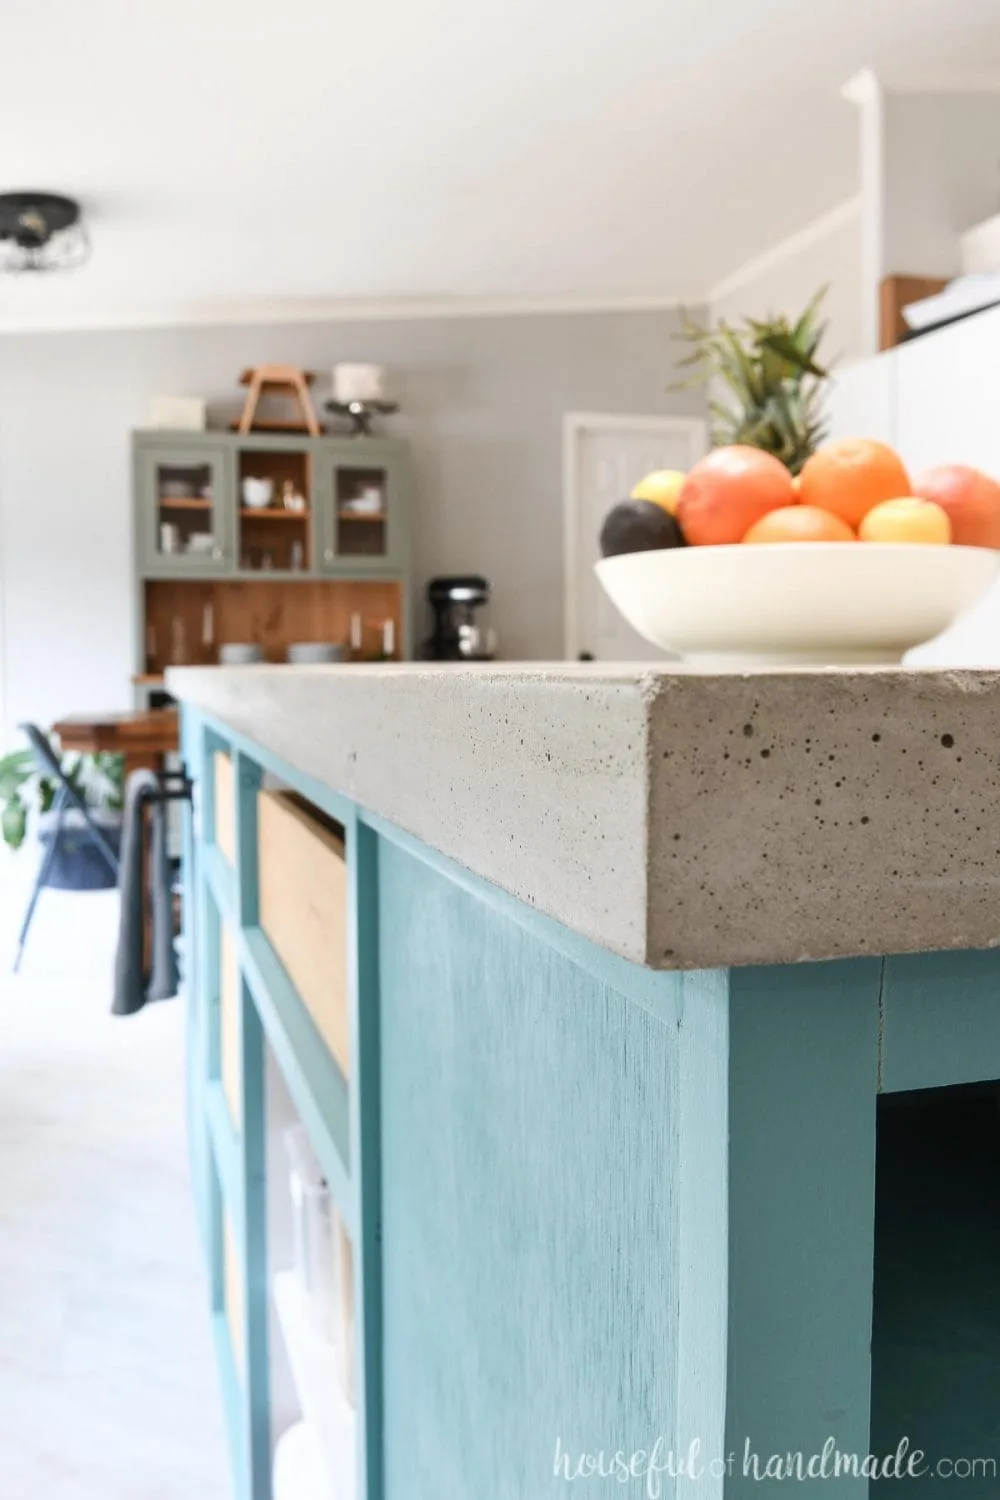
{"x":635,"y":962}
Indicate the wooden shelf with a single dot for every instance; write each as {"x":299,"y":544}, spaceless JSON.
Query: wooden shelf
{"x":147,"y":679}
{"x":272,"y":513}
{"x":371,"y":516}
{"x":185,"y":502}
{"x":295,"y":428}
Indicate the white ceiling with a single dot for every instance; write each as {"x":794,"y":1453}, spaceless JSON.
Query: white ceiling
{"x":237,"y":157}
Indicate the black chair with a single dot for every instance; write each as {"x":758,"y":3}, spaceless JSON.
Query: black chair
{"x":66,"y":799}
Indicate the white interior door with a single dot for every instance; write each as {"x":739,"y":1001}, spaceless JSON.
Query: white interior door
{"x":604,"y":457}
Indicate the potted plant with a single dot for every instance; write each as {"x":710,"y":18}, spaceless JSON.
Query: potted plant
{"x":768,"y":382}
{"x":27,"y":795}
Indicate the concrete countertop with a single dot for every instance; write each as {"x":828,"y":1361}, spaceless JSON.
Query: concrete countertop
{"x":680,"y":818}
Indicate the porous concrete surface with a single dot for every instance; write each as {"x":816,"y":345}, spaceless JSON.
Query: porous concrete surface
{"x":681,"y":818}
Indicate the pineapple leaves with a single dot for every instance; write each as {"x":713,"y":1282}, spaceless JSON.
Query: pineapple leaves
{"x":764,"y":378}
{"x":796,"y":357}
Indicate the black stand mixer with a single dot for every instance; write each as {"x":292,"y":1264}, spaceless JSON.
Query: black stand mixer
{"x":460,"y":632}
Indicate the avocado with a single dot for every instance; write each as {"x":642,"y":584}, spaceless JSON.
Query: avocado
{"x":638,"y":526}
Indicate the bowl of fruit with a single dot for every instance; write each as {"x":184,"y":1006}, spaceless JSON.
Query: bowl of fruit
{"x":738,"y":563}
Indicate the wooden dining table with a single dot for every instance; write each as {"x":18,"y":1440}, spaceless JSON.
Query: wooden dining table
{"x":144,"y":737}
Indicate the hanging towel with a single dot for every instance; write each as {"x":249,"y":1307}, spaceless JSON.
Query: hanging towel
{"x":144,"y":884}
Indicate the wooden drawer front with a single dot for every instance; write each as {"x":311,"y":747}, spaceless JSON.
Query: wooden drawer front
{"x":232,"y":1272}
{"x":303,"y":910}
{"x":225,"y":806}
{"x":229,"y":1024}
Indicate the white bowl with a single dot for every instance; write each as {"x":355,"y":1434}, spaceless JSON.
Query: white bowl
{"x":807,"y":603}
{"x":240,"y":653}
{"x":200,"y":542}
{"x":257,"y":493}
{"x":310,"y":653}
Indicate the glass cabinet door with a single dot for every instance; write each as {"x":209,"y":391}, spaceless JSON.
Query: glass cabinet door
{"x":183,"y":494}
{"x":361,"y":509}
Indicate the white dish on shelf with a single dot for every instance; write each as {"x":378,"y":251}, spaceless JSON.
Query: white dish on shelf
{"x":200,"y":542}
{"x":257,"y":493}
{"x":177,"y":489}
{"x":796,"y":603}
{"x":369,"y":504}
{"x":311,"y":653}
{"x":240,"y":653}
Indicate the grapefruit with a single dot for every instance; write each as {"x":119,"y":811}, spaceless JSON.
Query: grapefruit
{"x":970,"y":499}
{"x":728,"y":491}
{"x":800,"y":523}
{"x":850,"y":476}
{"x":907,"y":519}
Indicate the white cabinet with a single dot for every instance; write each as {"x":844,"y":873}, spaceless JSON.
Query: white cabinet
{"x":948,"y":396}
{"x":937,"y":399}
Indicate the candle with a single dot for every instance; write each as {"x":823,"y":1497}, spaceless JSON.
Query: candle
{"x":389,"y":638}
{"x":358,"y":383}
{"x":355,"y":632}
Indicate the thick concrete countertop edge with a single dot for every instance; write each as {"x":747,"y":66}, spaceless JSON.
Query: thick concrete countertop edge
{"x":677,"y":818}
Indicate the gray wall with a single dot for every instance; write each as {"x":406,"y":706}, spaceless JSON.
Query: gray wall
{"x":483,"y":401}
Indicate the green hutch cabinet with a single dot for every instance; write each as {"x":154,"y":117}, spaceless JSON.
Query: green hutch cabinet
{"x":322,"y":555}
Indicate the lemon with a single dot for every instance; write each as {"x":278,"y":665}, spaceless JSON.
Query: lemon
{"x":908,"y":519}
{"x":662,"y":486}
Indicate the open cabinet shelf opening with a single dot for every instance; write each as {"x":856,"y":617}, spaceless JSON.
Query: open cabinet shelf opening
{"x":936,"y":1324}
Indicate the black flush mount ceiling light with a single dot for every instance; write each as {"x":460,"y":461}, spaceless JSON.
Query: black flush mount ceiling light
{"x":41,"y":232}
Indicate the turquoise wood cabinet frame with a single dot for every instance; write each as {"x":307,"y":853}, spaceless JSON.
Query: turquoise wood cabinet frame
{"x":595,"y":1209}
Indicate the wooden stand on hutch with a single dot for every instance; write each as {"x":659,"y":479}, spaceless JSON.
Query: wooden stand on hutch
{"x":330,"y":547}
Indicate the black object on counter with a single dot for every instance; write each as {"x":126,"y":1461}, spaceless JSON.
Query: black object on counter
{"x":457,"y":634}
{"x":639,"y":526}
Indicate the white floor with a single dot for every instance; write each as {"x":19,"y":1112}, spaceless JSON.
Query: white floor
{"x":107,"y":1379}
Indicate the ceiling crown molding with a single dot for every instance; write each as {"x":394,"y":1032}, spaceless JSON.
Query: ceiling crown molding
{"x":330,"y":310}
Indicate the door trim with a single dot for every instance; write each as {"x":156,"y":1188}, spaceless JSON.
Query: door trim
{"x":576,"y":425}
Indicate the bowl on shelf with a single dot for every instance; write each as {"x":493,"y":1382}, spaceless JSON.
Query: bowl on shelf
{"x":200,"y":542}
{"x":257,"y":493}
{"x":308,"y":653}
{"x":796,"y":603}
{"x":240,"y":653}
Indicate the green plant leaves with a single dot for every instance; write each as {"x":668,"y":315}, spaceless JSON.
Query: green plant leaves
{"x":99,"y":779}
{"x":13,"y":822}
{"x":771,"y":375}
{"x":792,"y":358}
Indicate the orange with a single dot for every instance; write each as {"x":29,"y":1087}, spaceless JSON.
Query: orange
{"x":851,"y":475}
{"x":908,"y":519}
{"x":728,"y":490}
{"x":800,"y":523}
{"x":663,"y":487}
{"x":971,"y":500}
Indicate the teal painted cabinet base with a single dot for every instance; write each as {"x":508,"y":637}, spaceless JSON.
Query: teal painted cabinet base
{"x":608,"y":1224}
